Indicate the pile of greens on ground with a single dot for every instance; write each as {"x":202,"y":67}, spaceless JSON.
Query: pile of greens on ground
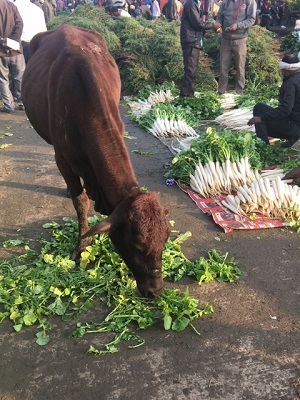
{"x":149,"y":52}
{"x":290,"y":43}
{"x":38,"y":285}
{"x":252,"y":95}
{"x":225,"y":143}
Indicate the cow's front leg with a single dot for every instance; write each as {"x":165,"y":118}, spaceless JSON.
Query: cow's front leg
{"x":81,"y":205}
{"x":80,"y":201}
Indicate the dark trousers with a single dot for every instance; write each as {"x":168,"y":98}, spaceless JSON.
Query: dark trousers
{"x":25,"y":46}
{"x":265,"y":21}
{"x":277,"y":128}
{"x":191,"y":57}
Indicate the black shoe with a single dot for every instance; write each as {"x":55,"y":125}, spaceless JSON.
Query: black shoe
{"x":6,"y":110}
{"x":21,"y":107}
{"x":291,"y":142}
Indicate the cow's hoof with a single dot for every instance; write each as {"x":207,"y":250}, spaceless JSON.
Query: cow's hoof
{"x":81,"y":246}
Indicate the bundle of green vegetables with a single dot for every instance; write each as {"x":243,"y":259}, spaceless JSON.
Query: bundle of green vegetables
{"x":260,"y":154}
{"x":226,"y":166}
{"x":221,"y":146}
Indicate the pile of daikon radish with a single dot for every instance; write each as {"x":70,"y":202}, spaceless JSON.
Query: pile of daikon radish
{"x":141,"y":107}
{"x":228,"y":100}
{"x":165,"y":124}
{"x":263,"y":192}
{"x":216,"y":178}
{"x":269,"y":196}
{"x":236,"y":120}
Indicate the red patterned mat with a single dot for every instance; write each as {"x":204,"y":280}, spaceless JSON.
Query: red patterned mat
{"x":227,"y":219}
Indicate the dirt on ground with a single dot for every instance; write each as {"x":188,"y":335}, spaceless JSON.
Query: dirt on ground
{"x":249,"y":347}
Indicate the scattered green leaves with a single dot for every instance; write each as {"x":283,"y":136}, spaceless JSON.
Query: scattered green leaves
{"x":13,"y":242}
{"x":143,"y":153}
{"x":216,"y":267}
{"x":36,"y":286}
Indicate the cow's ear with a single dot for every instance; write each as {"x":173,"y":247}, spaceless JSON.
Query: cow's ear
{"x":103,"y":227}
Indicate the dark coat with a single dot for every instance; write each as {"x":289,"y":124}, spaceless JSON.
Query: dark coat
{"x":192,"y":26}
{"x":289,"y":100}
{"x":11,"y":26}
{"x":169,"y":10}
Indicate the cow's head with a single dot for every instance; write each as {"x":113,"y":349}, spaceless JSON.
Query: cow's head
{"x":139,"y":229}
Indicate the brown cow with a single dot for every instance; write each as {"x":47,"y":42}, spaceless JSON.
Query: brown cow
{"x":71,"y":92}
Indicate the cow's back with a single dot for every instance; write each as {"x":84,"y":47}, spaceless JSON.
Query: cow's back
{"x":68,"y":69}
{"x":71,"y":92}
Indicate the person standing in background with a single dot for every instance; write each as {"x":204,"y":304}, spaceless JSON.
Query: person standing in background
{"x":179,"y":7}
{"x":155,"y":10}
{"x":169,"y":10}
{"x":49,"y":9}
{"x":265,"y":14}
{"x":284,"y":14}
{"x":11,"y":61}
{"x":191,"y":33}
{"x":33,"y":23}
{"x":235,"y":18}
{"x":61,"y":6}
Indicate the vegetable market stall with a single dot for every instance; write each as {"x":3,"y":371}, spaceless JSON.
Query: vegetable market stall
{"x":224,"y":176}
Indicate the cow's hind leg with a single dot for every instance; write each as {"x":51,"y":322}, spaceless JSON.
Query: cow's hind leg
{"x":80,"y":201}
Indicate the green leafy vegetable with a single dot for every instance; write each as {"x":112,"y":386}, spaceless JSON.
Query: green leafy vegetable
{"x":38,"y":285}
{"x":219,"y":145}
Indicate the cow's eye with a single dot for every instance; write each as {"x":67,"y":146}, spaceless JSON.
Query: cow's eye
{"x":139,"y":246}
{"x":156,"y":272}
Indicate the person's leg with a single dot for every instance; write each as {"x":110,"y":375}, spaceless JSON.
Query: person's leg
{"x":240,"y":52}
{"x":7,"y":97}
{"x":17,"y":68}
{"x":276,"y":128}
{"x":225,"y":63}
{"x":284,"y":129}
{"x":190,"y":61}
{"x":261,"y":129}
{"x":25,"y":46}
